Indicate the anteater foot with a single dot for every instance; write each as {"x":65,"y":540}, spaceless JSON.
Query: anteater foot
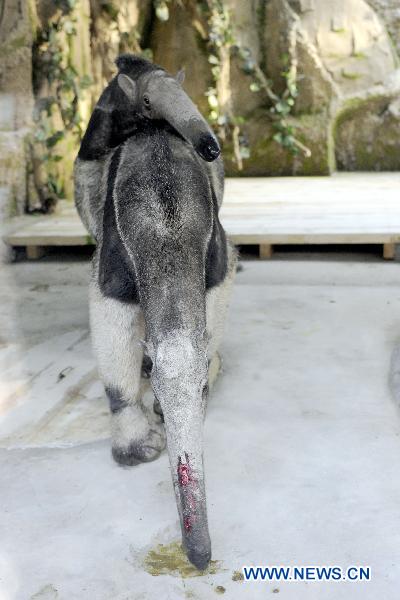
{"x":147,"y":365}
{"x":140,"y":451}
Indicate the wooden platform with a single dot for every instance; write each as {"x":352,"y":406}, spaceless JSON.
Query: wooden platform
{"x":347,"y":208}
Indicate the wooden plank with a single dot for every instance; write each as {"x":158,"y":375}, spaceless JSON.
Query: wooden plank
{"x":347,"y":208}
{"x":247,"y":229}
{"x":313,"y":238}
{"x":341,"y":187}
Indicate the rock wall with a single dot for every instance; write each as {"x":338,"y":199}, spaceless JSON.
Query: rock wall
{"x":343,"y":56}
{"x":389,"y":12}
{"x":62,"y":57}
{"x":17,"y":25}
{"x":115,"y":28}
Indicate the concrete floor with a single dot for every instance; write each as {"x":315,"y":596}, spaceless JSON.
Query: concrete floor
{"x":302,"y":443}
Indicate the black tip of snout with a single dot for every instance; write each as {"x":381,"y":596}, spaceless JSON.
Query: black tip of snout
{"x":208,"y":148}
{"x":199,"y":557}
{"x":197,"y":545}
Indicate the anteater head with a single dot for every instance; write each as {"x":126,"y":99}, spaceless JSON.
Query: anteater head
{"x":155,"y":94}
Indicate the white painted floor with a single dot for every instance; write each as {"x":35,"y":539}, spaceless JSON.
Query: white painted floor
{"x":302,"y":442}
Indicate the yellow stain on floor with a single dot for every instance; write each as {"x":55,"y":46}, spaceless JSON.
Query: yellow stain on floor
{"x":170,"y":559}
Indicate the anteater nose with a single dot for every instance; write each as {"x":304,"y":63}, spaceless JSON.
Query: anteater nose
{"x":209,"y":148}
{"x":213,"y":151}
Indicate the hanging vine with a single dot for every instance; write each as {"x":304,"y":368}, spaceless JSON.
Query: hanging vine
{"x":211,"y":19}
{"x":53,"y":58}
{"x":57,"y":114}
{"x":281,"y":106}
{"x":220,"y":43}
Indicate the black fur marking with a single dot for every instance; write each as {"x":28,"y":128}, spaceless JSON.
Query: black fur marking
{"x":97,"y":136}
{"x":116,"y":272}
{"x":114,"y":119}
{"x":116,"y":400}
{"x":217,"y":255}
{"x":112,"y":122}
{"x":135,"y":66}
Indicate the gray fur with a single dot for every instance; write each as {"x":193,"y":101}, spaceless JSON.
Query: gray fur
{"x":161,"y":279}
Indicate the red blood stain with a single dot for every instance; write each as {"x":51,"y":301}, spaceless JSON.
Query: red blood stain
{"x":184,"y":472}
{"x":187,"y":483}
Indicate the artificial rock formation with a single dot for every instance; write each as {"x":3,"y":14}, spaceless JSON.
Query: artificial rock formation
{"x":343,"y":56}
{"x":16,"y":101}
{"x":342,"y":51}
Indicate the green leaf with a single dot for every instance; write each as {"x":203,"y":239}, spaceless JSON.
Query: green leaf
{"x":110,"y":9}
{"x":40,"y":135}
{"x":213,"y":101}
{"x":244,"y":151}
{"x":254,"y":87}
{"x":85,"y":82}
{"x":69,"y":28}
{"x":54,"y":139}
{"x":162,"y":12}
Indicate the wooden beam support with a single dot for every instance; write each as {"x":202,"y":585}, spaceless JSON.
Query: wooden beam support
{"x":265,"y":251}
{"x":389,"y":251}
{"x":34,"y":252}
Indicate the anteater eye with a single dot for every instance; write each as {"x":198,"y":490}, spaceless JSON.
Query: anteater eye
{"x":146,"y":100}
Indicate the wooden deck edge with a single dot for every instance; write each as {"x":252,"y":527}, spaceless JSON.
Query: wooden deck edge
{"x":24,"y":241}
{"x":314,"y":238}
{"x":238,"y":239}
{"x":36,"y":249}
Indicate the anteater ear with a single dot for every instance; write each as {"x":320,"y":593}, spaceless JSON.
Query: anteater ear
{"x":180,"y":76}
{"x":128,"y":86}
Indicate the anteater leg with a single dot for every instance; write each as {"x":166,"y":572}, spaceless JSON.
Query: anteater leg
{"x":117,"y":330}
{"x":217,"y":305}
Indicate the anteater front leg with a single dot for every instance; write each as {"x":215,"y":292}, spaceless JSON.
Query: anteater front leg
{"x":117,"y":330}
